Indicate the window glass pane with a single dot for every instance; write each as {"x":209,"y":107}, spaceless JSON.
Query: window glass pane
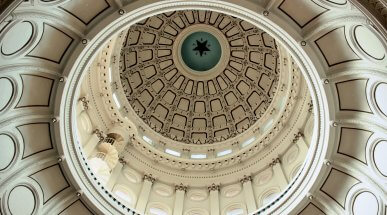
{"x":172,"y":152}
{"x":238,"y":211}
{"x":269,"y":198}
{"x":157,"y":211}
{"x":124,"y":196}
{"x":223,"y":153}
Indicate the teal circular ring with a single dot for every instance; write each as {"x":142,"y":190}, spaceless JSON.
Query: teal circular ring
{"x":201,"y":51}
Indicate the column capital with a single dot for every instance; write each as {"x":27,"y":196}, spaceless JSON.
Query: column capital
{"x":246,"y":178}
{"x":181,"y":187}
{"x":149,"y":177}
{"x":297,"y":136}
{"x":99,"y":134}
{"x":122,"y":160}
{"x":310,"y":108}
{"x":213,"y":187}
{"x":274,"y":162}
{"x":85,"y":102}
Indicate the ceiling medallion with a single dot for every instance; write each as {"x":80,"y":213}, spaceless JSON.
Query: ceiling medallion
{"x":201,"y":51}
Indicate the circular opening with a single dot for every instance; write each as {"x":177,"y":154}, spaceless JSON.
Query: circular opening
{"x":201,"y":51}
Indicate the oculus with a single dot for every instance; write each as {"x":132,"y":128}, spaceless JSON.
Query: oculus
{"x":201,"y":51}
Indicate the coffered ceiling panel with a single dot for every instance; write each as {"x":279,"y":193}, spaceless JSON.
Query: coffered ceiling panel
{"x":77,"y":207}
{"x":311,"y":209}
{"x":345,"y":91}
{"x":328,"y":45}
{"x":353,"y":143}
{"x":36,"y":91}
{"x":338,"y":191}
{"x":51,"y":180}
{"x":53,"y":44}
{"x":87,"y":10}
{"x":192,"y":110}
{"x":34,"y":143}
{"x":310,"y":9}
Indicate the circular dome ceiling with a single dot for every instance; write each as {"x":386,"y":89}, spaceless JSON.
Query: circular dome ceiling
{"x":198,"y":76}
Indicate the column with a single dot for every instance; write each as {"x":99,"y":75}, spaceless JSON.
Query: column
{"x":185,"y":153}
{"x":214,"y":199}
{"x":211,"y":153}
{"x":279,"y":173}
{"x":301,"y":143}
{"x":235,"y":146}
{"x":115,"y":174}
{"x":91,"y":144}
{"x":144,"y":193}
{"x":248,"y":194}
{"x":160,"y":146}
{"x":179,"y":199}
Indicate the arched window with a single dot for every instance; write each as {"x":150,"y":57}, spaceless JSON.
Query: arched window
{"x":269,"y":197}
{"x":125,"y":194}
{"x":157,"y":208}
{"x":196,"y":211}
{"x":235,"y":209}
{"x":295,"y":170}
{"x":157,"y":211}
{"x":101,"y":169}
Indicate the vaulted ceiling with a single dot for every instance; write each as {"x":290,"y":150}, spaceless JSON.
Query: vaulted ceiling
{"x":46,"y":50}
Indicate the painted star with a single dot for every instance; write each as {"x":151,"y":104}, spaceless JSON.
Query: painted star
{"x":201,"y":47}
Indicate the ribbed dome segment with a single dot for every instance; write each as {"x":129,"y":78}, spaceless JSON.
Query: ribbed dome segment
{"x":188,"y":106}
